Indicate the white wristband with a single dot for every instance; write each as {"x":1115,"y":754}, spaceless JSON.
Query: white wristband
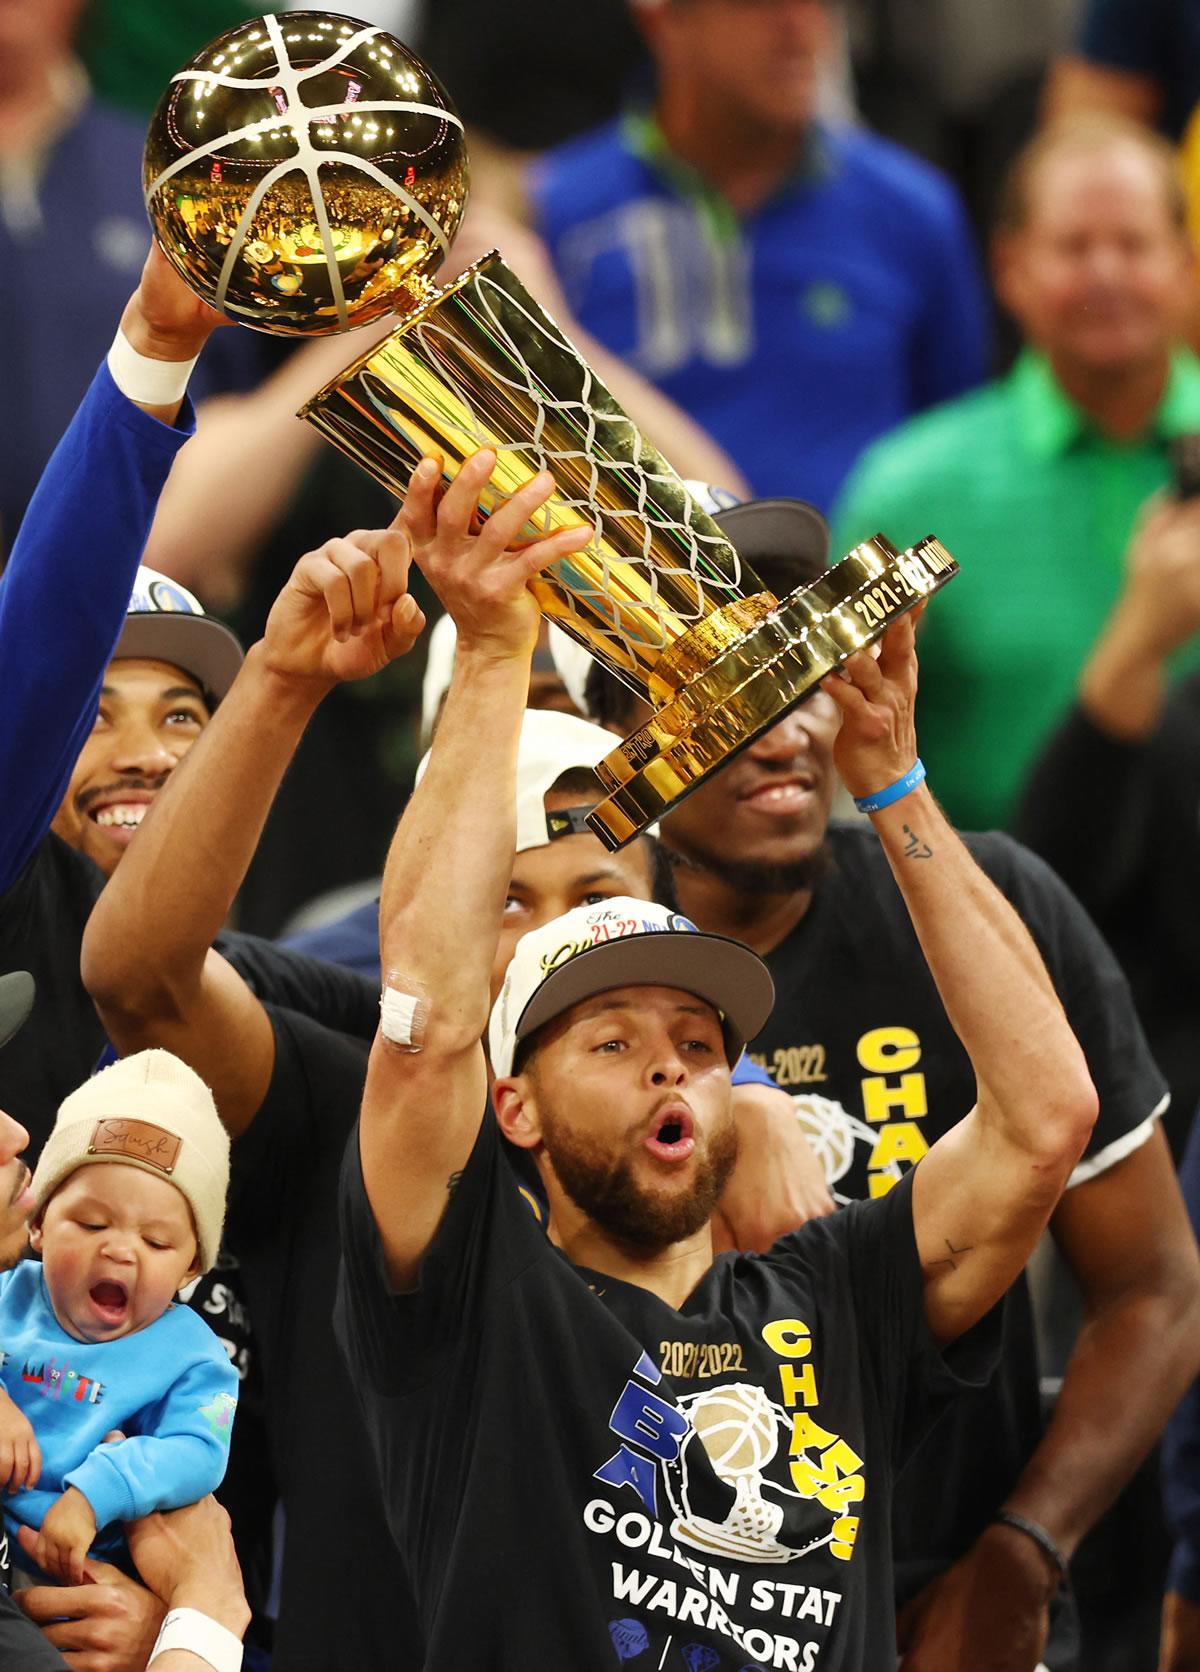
{"x":149,"y":382}
{"x":188,"y":1628}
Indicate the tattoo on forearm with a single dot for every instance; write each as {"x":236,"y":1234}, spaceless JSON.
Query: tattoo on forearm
{"x":952,"y":1256}
{"x":916,"y":847}
{"x":453,"y":1182}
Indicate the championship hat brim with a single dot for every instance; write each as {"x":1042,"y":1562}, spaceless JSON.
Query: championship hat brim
{"x":16,"y":1001}
{"x":723,"y":972}
{"x":200,"y":646}
{"x":773,"y":535}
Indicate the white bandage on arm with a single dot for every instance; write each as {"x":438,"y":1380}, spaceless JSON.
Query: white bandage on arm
{"x":403,"y":1011}
{"x":190,"y":1630}
{"x":147,"y":381}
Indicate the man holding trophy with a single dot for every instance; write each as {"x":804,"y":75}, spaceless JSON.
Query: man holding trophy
{"x":305,"y":174}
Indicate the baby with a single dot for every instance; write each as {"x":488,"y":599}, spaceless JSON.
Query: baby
{"x":130,"y":1193}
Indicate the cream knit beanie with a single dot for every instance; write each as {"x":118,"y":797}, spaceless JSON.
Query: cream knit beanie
{"x":149,"y":1111}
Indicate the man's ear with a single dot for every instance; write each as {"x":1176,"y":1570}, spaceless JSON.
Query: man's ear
{"x":1005,"y":253}
{"x":516,"y":1111}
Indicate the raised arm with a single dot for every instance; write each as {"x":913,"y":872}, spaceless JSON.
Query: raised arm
{"x":65,"y":590}
{"x":344,"y":614}
{"x":985,"y":1192}
{"x":1115,"y":732}
{"x":450,"y":862}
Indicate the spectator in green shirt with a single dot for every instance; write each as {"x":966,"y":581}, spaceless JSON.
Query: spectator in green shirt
{"x":1036,"y":480}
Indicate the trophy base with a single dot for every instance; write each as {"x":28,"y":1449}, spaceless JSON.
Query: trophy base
{"x":758,"y":679}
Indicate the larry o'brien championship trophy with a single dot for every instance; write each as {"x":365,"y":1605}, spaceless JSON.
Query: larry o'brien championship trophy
{"x":305,"y":174}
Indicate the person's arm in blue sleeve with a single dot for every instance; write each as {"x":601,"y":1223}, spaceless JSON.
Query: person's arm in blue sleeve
{"x":64,"y":592}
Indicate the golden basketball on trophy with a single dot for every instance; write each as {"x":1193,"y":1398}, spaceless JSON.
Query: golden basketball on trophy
{"x":280,"y":207}
{"x":303,"y":171}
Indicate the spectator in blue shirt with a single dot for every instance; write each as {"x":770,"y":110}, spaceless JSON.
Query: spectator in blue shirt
{"x":797,"y":290}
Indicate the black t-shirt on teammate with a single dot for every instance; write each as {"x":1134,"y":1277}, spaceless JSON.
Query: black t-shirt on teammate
{"x":344,"y":1600}
{"x":42,"y":920}
{"x":860,"y":1038}
{"x":581,"y":1476}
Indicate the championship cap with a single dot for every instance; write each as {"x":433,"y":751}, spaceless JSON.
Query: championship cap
{"x":166,"y":623}
{"x":16,"y":1001}
{"x":551,"y":744}
{"x":785,"y":541}
{"x":625,"y":943}
{"x":441,"y":644}
{"x":149,"y":1111}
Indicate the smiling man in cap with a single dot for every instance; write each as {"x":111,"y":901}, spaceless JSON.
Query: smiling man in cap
{"x":602,"y":1441}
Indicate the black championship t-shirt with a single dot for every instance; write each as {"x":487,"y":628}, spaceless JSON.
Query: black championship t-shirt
{"x":582,"y":1477}
{"x":860,"y":1039}
{"x":22,"y":1646}
{"x":344,"y":1601}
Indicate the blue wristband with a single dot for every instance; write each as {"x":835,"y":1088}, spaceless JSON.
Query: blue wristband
{"x":893,"y":792}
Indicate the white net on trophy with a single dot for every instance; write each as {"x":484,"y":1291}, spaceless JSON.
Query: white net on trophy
{"x":488,"y":367}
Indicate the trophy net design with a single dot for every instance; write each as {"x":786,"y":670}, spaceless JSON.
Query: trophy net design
{"x":306,"y":174}
{"x":659,"y":596}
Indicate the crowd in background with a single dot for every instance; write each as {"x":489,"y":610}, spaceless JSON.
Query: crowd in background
{"x":924,"y":264}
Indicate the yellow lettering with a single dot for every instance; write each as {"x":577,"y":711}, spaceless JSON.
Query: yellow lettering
{"x":806,"y":1432}
{"x":882,"y":1098}
{"x":788,"y":1337}
{"x":889,"y":1050}
{"x":845,"y":1531}
{"x":878,"y":1184}
{"x":831,"y":1481}
{"x":798,"y":1389}
{"x":901,"y":1141}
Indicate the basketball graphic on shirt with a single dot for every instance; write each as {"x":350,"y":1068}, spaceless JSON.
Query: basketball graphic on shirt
{"x":832,"y":1132}
{"x":743,"y":1435}
{"x":738,"y":1427}
{"x":305,"y":173}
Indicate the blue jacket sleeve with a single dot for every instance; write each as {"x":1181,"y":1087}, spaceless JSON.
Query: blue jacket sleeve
{"x":180,"y":1459}
{"x":63,"y":597}
{"x":1181,"y":1442}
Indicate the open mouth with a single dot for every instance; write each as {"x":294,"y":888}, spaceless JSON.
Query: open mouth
{"x":672,"y":1137}
{"x":120,"y":820}
{"x":786,"y":797}
{"x":110,"y":1301}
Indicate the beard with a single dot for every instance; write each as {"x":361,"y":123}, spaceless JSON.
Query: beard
{"x":748,"y":876}
{"x":605,"y":1188}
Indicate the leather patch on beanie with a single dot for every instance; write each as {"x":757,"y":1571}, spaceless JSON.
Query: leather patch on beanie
{"x":137,"y":1139}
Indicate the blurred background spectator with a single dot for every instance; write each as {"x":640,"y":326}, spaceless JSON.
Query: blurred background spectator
{"x":1139,"y":58}
{"x":1113,"y":800}
{"x":797,"y":288}
{"x":1035,"y":481}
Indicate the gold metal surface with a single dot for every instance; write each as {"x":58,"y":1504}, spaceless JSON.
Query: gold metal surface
{"x":659,"y":596}
{"x":483,"y":365}
{"x":760,"y":679}
{"x":305,"y":173}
